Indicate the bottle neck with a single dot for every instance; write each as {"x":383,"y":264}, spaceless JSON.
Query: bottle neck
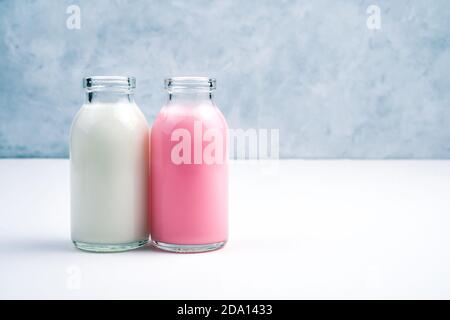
{"x":190,"y":97}
{"x":106,"y":96}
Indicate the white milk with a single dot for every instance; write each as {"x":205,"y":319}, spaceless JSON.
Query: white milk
{"x":109,"y":174}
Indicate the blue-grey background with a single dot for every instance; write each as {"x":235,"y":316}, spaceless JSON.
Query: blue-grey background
{"x":313,"y":69}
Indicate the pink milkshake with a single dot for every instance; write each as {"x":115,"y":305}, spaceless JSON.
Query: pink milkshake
{"x":189,"y":169}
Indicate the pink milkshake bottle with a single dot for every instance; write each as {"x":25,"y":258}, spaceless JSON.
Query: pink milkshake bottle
{"x":189,"y":169}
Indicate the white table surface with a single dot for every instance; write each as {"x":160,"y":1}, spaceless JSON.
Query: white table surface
{"x":298,"y":229}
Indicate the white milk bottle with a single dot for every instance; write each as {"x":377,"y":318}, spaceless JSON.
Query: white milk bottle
{"x":109,"y":168}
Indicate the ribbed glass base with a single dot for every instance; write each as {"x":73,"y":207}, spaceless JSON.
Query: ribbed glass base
{"x":188,"y":248}
{"x":100,"y":247}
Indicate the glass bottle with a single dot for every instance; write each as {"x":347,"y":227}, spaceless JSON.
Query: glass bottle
{"x":189,"y":169}
{"x":109,"y":168}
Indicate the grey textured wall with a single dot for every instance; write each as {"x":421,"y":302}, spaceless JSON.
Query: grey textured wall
{"x":313,"y":69}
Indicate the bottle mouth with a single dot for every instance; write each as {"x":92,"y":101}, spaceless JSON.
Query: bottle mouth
{"x":109,"y":83}
{"x":190,"y":84}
